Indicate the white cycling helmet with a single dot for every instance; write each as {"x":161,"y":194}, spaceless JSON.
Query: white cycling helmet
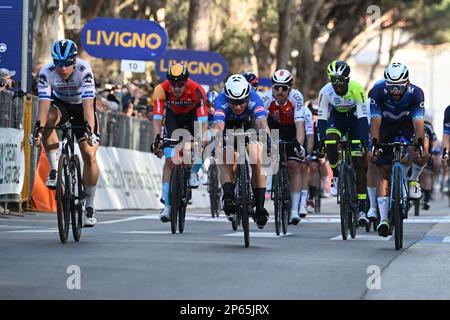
{"x":396,"y":72}
{"x":237,"y":88}
{"x":282,"y":77}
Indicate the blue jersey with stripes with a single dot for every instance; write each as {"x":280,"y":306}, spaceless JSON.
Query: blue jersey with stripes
{"x":447,"y":121}
{"x":223,"y":111}
{"x":411,"y":105}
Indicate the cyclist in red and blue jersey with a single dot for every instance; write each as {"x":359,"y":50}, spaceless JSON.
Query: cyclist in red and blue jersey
{"x":239,"y":105}
{"x":397,"y":111}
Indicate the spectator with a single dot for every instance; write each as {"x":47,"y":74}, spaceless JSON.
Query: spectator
{"x":7,"y":76}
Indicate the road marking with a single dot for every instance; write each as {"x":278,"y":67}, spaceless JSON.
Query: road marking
{"x":364,"y":237}
{"x":257,"y":235}
{"x":33,"y":231}
{"x":143,"y":232}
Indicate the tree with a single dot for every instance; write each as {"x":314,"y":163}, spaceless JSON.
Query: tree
{"x":199,"y":24}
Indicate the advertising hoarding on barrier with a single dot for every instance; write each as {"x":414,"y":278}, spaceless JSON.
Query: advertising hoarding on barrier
{"x":112,"y":38}
{"x":205,"y":67}
{"x":12,"y":164}
{"x":16,"y":40}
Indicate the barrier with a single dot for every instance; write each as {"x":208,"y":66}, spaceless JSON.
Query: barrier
{"x":12,"y":165}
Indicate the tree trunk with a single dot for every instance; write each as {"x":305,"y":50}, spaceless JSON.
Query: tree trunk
{"x":199,"y":24}
{"x":45,"y":29}
{"x":284,"y":33}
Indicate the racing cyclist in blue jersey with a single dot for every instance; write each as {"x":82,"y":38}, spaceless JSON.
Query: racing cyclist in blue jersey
{"x":446,"y":135}
{"x":66,"y":91}
{"x":397,"y":111}
{"x":238,"y":104}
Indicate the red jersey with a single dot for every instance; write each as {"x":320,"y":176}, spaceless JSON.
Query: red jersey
{"x":194,"y":97}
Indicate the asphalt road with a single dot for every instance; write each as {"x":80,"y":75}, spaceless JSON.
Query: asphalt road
{"x":132,"y":255}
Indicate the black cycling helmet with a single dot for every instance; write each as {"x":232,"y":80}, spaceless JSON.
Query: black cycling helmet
{"x":252,"y":78}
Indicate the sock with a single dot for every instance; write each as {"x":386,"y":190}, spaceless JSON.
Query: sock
{"x":372,"y":191}
{"x":166,"y":193}
{"x":427,"y":195}
{"x":269,"y":183}
{"x":51,"y":156}
{"x":405,"y":169}
{"x":303,"y":198}
{"x":90,"y":195}
{"x":295,"y":200}
{"x":383,"y":205}
{"x":362,"y":197}
{"x":228,"y":190}
{"x":312,"y":192}
{"x":416,"y":171}
{"x":325,"y":183}
{"x":260,"y":197}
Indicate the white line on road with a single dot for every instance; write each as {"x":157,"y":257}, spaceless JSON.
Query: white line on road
{"x":34,"y":231}
{"x":143,"y":232}
{"x":364,"y":237}
{"x":257,"y":235}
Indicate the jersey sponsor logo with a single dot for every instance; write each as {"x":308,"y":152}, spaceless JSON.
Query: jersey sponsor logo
{"x":81,"y":68}
{"x":390,"y":115}
{"x":42,"y":79}
{"x":422,"y":104}
{"x":259,"y":109}
{"x":88,"y":78}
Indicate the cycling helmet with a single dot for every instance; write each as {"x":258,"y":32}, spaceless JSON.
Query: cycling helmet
{"x":338,"y":68}
{"x":252,"y":78}
{"x":211,"y":96}
{"x":237,"y":88}
{"x":177,"y":72}
{"x":64,"y":50}
{"x":396,"y":73}
{"x":282,"y":77}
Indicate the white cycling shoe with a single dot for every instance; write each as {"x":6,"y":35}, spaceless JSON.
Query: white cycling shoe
{"x":165,"y":214}
{"x":90,"y":220}
{"x":295,"y":218}
{"x":193,"y":181}
{"x":51,"y":180}
{"x":334,"y":187}
{"x":372,"y":214}
{"x":415,"y":191}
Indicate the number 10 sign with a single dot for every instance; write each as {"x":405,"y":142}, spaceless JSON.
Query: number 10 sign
{"x":134,"y":66}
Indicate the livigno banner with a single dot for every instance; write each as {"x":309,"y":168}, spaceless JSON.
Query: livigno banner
{"x":111,"y":38}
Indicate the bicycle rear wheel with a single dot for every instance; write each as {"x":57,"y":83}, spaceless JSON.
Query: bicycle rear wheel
{"x":77,"y":199}
{"x":63,"y":197}
{"x":343,"y":202}
{"x":353,"y":208}
{"x":286,"y":199}
{"x":397,"y":210}
{"x":175,"y":197}
{"x":278,"y":201}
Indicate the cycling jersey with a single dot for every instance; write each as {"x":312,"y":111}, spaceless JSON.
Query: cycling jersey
{"x":347,"y":112}
{"x":284,"y":114}
{"x":447,"y":121}
{"x":80,"y":85}
{"x":194,"y":97}
{"x":223,"y":112}
{"x":411,"y":106}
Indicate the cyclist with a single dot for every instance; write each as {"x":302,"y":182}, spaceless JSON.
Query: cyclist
{"x":347,"y":100}
{"x":426,"y":178}
{"x":446,"y":135}
{"x":285,"y":109}
{"x":66,"y":90}
{"x":210,"y":97}
{"x":181,"y":102}
{"x":238,"y":104}
{"x":306,"y":158}
{"x":397,"y":110}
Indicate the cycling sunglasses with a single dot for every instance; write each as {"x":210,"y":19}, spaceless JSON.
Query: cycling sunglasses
{"x":339,"y":79}
{"x":278,"y":87}
{"x":177,"y":84}
{"x":63,"y":63}
{"x":237,"y":102}
{"x":396,"y":87}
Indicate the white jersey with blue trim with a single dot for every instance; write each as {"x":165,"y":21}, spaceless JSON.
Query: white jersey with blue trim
{"x":80,"y":85}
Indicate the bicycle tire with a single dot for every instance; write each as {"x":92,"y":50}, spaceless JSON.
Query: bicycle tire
{"x":343,"y":203}
{"x":353,"y":207}
{"x":77,"y":202}
{"x":213,"y":189}
{"x":397,"y":214}
{"x":175,"y":197}
{"x":63,"y":200}
{"x":183,"y":200}
{"x":244,"y":202}
{"x":278,"y":201}
{"x":416,"y":203}
{"x":317,"y":202}
{"x":286,"y":200}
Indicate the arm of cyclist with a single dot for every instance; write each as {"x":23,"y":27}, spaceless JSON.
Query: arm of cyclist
{"x":375,"y":124}
{"x":322,"y":116}
{"x":418,"y":122}
{"x":202,"y":114}
{"x":44,"y":94}
{"x":159,"y":100}
{"x":89,"y":118}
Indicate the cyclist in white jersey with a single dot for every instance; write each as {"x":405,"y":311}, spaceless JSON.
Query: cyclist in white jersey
{"x":67,"y":93}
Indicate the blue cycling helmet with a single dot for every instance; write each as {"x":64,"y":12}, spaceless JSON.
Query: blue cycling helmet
{"x":211,"y":96}
{"x":64,"y":50}
{"x":252,"y":78}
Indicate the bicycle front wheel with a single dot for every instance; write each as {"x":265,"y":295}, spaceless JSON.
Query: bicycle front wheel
{"x":286,"y":199}
{"x":63,"y":197}
{"x":278,"y":201}
{"x":175,"y":197}
{"x":353,"y":207}
{"x":77,"y":199}
{"x":184,"y":201}
{"x":397,"y":212}
{"x":344,"y":202}
{"x":244,"y":202}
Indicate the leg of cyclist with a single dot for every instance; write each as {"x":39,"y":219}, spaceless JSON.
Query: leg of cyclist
{"x":418,"y":165}
{"x":359,"y":163}
{"x":51,"y":145}
{"x":384,"y":175}
{"x":332,"y":154}
{"x":324,"y":173}
{"x":314,"y":184}
{"x":90,"y":178}
{"x":372,"y":175}
{"x":294,"y":185}
{"x":228,"y":180}
{"x":304,"y":186}
{"x":426,"y":182}
{"x":258,"y":182}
